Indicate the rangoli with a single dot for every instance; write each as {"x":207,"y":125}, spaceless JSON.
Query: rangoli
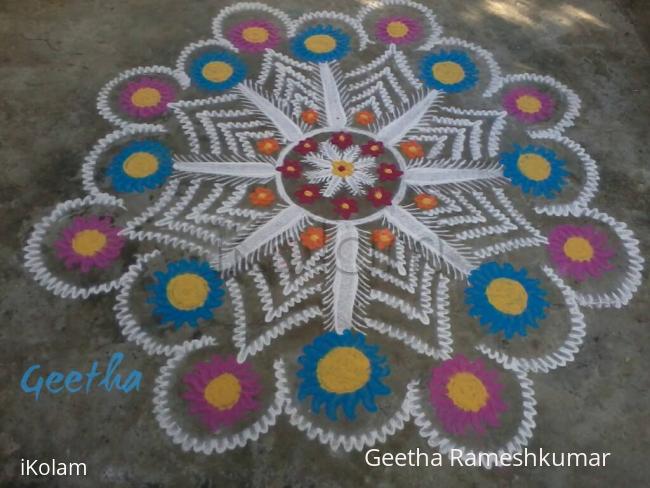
{"x":352,"y":221}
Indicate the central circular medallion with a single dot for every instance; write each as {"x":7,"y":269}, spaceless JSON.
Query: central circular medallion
{"x":341,"y":175}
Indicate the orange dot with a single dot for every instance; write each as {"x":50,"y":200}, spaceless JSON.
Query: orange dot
{"x":425,"y":201}
{"x":364,"y":118}
{"x":411,"y":149}
{"x":313,"y":238}
{"x":309,"y":116}
{"x":268,"y":146}
{"x":382,"y":238}
{"x":262,"y":197}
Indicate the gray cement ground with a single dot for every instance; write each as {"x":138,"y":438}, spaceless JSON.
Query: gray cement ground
{"x":55,"y":55}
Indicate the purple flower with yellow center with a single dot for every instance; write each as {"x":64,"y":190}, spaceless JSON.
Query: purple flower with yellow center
{"x":221,"y":391}
{"x":466,"y":396}
{"x":254,"y":36}
{"x":579,"y":252}
{"x":398,"y":30}
{"x":147,"y":98}
{"x":89,"y":242}
{"x":528,"y":104}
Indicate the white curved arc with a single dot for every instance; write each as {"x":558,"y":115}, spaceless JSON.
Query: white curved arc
{"x":285,"y":221}
{"x":398,"y":128}
{"x":426,"y":238}
{"x":442,"y":176}
{"x":334,"y":110}
{"x":227,"y":168}
{"x":284,"y":124}
{"x":346,"y":276}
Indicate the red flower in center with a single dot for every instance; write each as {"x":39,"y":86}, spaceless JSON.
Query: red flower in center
{"x":388,"y":172}
{"x":308,"y":193}
{"x":379,"y":196}
{"x":290,"y":169}
{"x":342,"y":139}
{"x":306,"y":146}
{"x":372,"y":148}
{"x":345,"y":207}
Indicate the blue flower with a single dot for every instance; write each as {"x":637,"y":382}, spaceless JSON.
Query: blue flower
{"x":217,"y":70}
{"x":320,"y":44}
{"x":535,"y":170}
{"x":140,"y":166}
{"x":188,"y":291}
{"x":449,"y":71}
{"x":341,"y":370}
{"x":505,"y":299}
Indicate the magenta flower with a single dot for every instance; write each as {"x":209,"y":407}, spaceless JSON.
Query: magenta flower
{"x":528,"y":104}
{"x":398,"y":30}
{"x":89,"y":242}
{"x":466,"y":395}
{"x":147,"y":98}
{"x":254,"y":36}
{"x":221,"y":391}
{"x":579,"y":252}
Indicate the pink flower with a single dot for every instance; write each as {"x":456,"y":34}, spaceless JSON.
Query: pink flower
{"x":379,"y":196}
{"x":389,"y":172}
{"x":306,"y":146}
{"x":221,"y":391}
{"x":345,"y":207}
{"x":341,"y":139}
{"x":579,"y":252}
{"x":254,"y":36}
{"x":290,"y":169}
{"x":528,"y":104}
{"x":372,"y":148}
{"x":89,"y":242}
{"x":398,"y":30}
{"x":466,"y":395}
{"x":146,"y":98}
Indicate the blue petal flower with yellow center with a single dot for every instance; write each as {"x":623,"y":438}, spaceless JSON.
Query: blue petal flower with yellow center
{"x":535,"y":169}
{"x":320,"y":44}
{"x":140,"y":166}
{"x":188,"y":291}
{"x":217,"y":71}
{"x":341,"y":370}
{"x":449,"y":71}
{"x":505,"y":299}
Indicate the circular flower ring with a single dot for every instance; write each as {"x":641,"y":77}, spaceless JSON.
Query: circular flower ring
{"x":341,"y":370}
{"x":505,"y":299}
{"x":449,"y":71}
{"x":466,"y":395}
{"x":89,"y":242}
{"x":140,"y":166}
{"x":217,"y":70}
{"x":221,"y":391}
{"x":535,"y":170}
{"x":579,"y":252}
{"x":146,"y":97}
{"x":188,"y":291}
{"x":254,"y":35}
{"x":321,"y":44}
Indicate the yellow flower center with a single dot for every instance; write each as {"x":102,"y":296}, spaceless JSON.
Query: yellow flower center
{"x":140,"y":165}
{"x":145,"y":97}
{"x":578,"y":249}
{"x":507,"y":296}
{"x":255,"y":35}
{"x":467,"y":392}
{"x":88,"y":242}
{"x":534,"y":167}
{"x":448,"y":72}
{"x":343,"y":370}
{"x":187,"y":291}
{"x":397,"y":29}
{"x":308,"y":193}
{"x":529,"y":104}
{"x":342,"y":168}
{"x":223,"y":392}
{"x":217,"y":71}
{"x":320,"y":43}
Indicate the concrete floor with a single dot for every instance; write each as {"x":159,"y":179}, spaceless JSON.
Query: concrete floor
{"x":54,"y":57}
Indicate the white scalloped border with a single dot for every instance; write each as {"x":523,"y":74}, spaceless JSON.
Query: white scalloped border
{"x":34,"y":257}
{"x":437,"y":440}
{"x":217,"y":443}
